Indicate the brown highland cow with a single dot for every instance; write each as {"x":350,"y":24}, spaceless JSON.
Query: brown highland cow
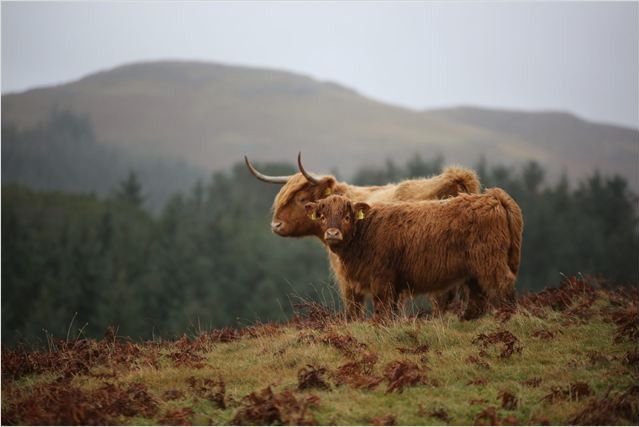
{"x":290,"y":218}
{"x":429,"y":246}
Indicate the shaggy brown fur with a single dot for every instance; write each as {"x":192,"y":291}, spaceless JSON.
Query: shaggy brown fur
{"x":471,"y":239}
{"x":290,"y":215}
{"x":288,"y":206}
{"x":288,"y":209}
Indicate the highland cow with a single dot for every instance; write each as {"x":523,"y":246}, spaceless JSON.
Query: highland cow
{"x":428,"y":246}
{"x":290,"y":219}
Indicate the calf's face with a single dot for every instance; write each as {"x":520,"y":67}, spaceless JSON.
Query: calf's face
{"x":337,"y":218}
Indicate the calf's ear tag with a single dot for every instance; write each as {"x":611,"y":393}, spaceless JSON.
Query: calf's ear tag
{"x":360,"y":214}
{"x":313,"y":216}
{"x":328,"y":192}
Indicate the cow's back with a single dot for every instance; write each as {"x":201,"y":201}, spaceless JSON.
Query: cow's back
{"x":452,"y":182}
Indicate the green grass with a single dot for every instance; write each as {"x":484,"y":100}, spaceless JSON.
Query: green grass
{"x":581,"y":351}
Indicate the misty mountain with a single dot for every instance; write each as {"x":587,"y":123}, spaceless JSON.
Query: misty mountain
{"x":209,"y":115}
{"x":578,"y":146}
{"x":62,"y":154}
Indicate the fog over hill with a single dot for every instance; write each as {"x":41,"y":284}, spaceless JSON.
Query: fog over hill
{"x":210,"y":115}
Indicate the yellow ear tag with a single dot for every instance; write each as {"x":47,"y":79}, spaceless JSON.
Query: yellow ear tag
{"x":360,"y":214}
{"x":313,"y":216}
{"x":327,"y":192}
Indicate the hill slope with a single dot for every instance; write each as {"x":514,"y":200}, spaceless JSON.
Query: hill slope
{"x":572,"y":364}
{"x":212,"y":114}
{"x":576,"y":145}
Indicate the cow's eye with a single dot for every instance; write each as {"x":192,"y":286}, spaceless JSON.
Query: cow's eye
{"x":302,"y":199}
{"x":347,"y":218}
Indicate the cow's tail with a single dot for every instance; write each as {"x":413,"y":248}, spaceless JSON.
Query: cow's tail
{"x":515,"y":226}
{"x":465,"y":179}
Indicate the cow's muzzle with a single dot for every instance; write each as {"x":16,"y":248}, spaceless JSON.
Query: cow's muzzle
{"x":333,"y":235}
{"x":278,"y":227}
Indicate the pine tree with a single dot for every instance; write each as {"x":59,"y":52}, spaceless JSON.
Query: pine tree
{"x":130,"y":190}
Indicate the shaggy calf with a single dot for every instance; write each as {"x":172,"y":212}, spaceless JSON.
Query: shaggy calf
{"x":430,"y":246}
{"x":290,"y":219}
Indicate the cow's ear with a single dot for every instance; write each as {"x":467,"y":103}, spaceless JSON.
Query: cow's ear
{"x":328,"y":185}
{"x":361,"y":210}
{"x":311,"y":210}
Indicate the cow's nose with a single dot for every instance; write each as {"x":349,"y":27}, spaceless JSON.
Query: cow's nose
{"x":333,"y":234}
{"x":276,"y":225}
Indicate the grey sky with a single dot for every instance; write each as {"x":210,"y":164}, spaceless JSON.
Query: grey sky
{"x":578,"y":57}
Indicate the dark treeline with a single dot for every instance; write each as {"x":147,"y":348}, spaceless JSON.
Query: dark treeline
{"x":208,"y":259}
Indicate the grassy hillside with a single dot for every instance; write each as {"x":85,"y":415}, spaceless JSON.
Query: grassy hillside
{"x":577,"y":145}
{"x":212,"y":114}
{"x":565,"y":356}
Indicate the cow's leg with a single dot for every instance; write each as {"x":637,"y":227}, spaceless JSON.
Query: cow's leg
{"x":399,"y":307}
{"x":399,"y":304}
{"x":385,"y":299}
{"x":501,"y":285}
{"x":463,"y":295}
{"x":495,"y":286}
{"x":352,"y":297}
{"x":477,"y":300}
{"x":507,"y":296}
{"x":441,"y":300}
{"x":353,"y":301}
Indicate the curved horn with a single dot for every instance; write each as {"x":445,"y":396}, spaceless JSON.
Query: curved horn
{"x":307,"y":175}
{"x":266,"y":178}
